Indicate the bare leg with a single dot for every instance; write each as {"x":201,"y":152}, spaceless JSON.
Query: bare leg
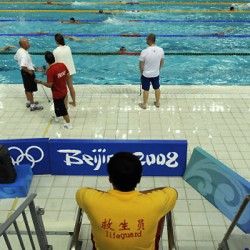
{"x":157,"y":97}
{"x":66,"y":99}
{"x":66,"y":118}
{"x":145,"y":99}
{"x":26,"y":96}
{"x":72,"y":91}
{"x":29,"y":96}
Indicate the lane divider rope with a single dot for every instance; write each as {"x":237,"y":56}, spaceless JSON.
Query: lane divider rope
{"x":142,"y":20}
{"x":217,"y":35}
{"x":125,"y":11}
{"x":138,"y":53}
{"x":124,"y":3}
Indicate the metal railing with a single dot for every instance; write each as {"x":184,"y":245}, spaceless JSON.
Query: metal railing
{"x":224,"y":244}
{"x":75,"y":243}
{"x":36,"y":216}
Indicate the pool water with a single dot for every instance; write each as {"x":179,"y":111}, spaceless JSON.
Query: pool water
{"x":182,"y":35}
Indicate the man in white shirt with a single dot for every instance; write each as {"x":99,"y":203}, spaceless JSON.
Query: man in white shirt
{"x":28,"y":73}
{"x":151,"y":61}
{"x":63,"y":54}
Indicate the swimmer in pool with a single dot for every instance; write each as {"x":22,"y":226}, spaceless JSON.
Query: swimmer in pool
{"x":132,"y":3}
{"x":105,"y":13}
{"x":39,"y":32}
{"x":239,"y":6}
{"x":109,"y":13}
{"x":131,"y":11}
{"x":222,"y":33}
{"x":73,"y":38}
{"x":8,"y":47}
{"x":85,"y":40}
{"x":71,"y":21}
{"x":122,"y":50}
{"x":49,"y":2}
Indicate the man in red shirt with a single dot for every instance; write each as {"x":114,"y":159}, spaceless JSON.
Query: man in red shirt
{"x":57,"y":76}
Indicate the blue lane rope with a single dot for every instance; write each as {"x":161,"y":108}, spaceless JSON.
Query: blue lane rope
{"x":48,"y":20}
{"x":124,"y":2}
{"x":133,"y":35}
{"x":134,"y":20}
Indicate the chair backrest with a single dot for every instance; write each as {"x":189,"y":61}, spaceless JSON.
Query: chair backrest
{"x":170,"y":232}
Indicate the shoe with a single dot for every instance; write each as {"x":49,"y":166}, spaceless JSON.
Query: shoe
{"x":28,"y":104}
{"x":55,"y":118}
{"x":67,"y":125}
{"x":36,"y":107}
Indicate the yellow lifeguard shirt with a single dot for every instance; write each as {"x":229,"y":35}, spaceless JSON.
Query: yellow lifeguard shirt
{"x":125,"y":220}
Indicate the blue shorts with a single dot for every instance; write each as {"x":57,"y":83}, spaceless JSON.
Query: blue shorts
{"x":145,"y":81}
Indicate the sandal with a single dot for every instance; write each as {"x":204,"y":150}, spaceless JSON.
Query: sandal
{"x":157,"y":105}
{"x":141,"y":105}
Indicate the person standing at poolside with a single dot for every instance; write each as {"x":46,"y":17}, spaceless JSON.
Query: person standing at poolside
{"x":151,"y":61}
{"x":28,"y":73}
{"x":63,"y":54}
{"x":57,"y":75}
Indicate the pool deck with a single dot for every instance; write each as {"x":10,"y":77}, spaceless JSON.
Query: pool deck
{"x":215,"y":118}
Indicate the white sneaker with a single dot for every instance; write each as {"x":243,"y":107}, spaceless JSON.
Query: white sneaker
{"x":67,"y":125}
{"x":55,"y":118}
{"x":35,"y":107}
{"x":28,"y":104}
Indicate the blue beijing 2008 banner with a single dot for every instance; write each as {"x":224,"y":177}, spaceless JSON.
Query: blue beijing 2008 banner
{"x":34,"y":152}
{"x":90,"y":157}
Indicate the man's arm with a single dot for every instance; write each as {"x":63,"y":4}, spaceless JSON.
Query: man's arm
{"x":141,"y":66}
{"x":161,"y":63}
{"x":150,"y":190}
{"x":67,"y":78}
{"x":47,"y":84}
{"x":29,"y":71}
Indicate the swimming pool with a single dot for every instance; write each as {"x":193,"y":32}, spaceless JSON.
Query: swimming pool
{"x":196,"y":53}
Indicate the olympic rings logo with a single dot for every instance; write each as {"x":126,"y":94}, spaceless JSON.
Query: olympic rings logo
{"x":27,"y":155}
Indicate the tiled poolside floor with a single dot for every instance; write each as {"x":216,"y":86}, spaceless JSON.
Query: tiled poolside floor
{"x":214,"y":118}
